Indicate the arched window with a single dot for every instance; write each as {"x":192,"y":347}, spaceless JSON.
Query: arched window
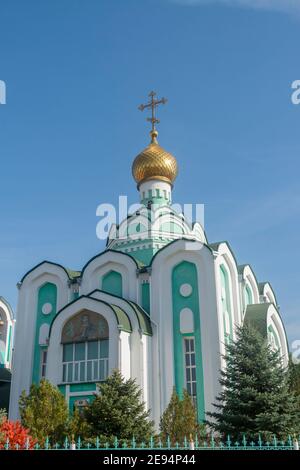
{"x":226,"y":305}
{"x":112,"y":283}
{"x":85,"y":340}
{"x":248,"y":296}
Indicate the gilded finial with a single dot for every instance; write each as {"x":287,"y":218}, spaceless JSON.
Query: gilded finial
{"x":152,"y":104}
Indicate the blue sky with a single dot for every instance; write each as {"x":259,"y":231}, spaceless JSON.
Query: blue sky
{"x":75,"y":73}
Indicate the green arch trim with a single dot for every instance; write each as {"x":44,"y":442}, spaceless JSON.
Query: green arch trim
{"x":186,"y":272}
{"x":46,"y":293}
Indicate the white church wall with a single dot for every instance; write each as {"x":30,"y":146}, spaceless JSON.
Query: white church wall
{"x":162,"y":313}
{"x":268,"y":294}
{"x":225,"y":257}
{"x":26,"y":326}
{"x":274,"y":320}
{"x":124,"y":355}
{"x":250,"y":279}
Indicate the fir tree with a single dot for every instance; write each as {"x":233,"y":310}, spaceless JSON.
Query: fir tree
{"x":179,"y":419}
{"x":118,"y":412}
{"x":44,"y":412}
{"x":255,"y":398}
{"x":294,"y":370}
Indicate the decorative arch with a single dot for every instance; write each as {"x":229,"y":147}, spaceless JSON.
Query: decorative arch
{"x":85,"y":326}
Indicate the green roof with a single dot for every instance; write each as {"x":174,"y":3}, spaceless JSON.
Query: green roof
{"x":256,"y":315}
{"x":73,"y":274}
{"x":143,"y":319}
{"x":122,"y":318}
{"x":142,"y":316}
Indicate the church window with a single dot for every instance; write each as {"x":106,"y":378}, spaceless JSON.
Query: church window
{"x":43,"y":363}
{"x":85,"y":348}
{"x":190,"y":367}
{"x":248,"y":296}
{"x":157,"y":192}
{"x":226,"y":305}
{"x":112,"y":283}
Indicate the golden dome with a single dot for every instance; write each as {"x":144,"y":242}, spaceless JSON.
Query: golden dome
{"x":154,"y":163}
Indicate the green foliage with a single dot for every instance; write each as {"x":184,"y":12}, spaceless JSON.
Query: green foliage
{"x":119,"y":412}
{"x":78,"y":427}
{"x":44,"y":412}
{"x":3,"y":415}
{"x":179,"y":419}
{"x":294,"y":370}
{"x":256,"y":397}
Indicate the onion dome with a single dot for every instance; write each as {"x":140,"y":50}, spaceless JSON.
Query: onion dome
{"x":154,"y":163}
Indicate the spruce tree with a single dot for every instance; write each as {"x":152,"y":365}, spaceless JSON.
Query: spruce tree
{"x":255,"y":398}
{"x":118,"y":412}
{"x":179,"y":420}
{"x":44,"y":412}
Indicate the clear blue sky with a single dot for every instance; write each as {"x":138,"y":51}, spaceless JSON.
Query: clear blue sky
{"x":75,"y":72}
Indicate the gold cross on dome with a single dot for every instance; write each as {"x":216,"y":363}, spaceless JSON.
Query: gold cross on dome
{"x":153,"y":103}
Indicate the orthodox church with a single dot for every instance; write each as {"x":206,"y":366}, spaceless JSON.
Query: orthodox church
{"x":160,"y":303}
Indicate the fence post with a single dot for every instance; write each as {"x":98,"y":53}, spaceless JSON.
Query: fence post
{"x":73,"y":445}
{"x":191,"y":443}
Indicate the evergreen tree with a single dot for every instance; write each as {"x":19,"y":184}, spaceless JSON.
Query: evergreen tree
{"x":44,"y":412}
{"x":179,"y":419}
{"x":118,"y":412}
{"x":294,"y":370}
{"x":294,"y":375}
{"x":256,"y":398}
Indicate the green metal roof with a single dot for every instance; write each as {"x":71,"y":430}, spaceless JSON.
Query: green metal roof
{"x":73,"y":274}
{"x":256,"y":315}
{"x":142,"y":316}
{"x":122,"y":317}
{"x":143,"y":319}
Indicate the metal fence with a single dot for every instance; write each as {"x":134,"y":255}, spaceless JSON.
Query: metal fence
{"x":292,"y":443}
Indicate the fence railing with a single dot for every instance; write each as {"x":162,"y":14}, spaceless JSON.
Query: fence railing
{"x":292,"y":443}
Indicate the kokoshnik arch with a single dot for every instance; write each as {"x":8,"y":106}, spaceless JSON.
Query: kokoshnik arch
{"x":159,"y":303}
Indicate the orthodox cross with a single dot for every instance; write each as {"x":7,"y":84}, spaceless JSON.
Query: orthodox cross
{"x":153,"y":103}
